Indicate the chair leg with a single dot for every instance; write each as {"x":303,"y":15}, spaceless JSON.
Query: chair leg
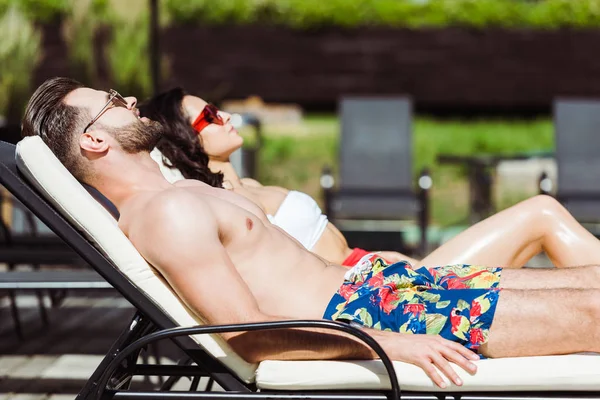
{"x":209,"y":385}
{"x":56,"y":297}
{"x":194,"y":385}
{"x":14,"y":310}
{"x":42,"y":308}
{"x":172,"y":380}
{"x":154,"y":349}
{"x":40,"y":298}
{"x":139,"y":326}
{"x":425,"y":183}
{"x":146,"y":360}
{"x":169,"y":383}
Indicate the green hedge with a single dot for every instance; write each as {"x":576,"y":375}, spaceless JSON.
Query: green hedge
{"x":396,"y":13}
{"x":545,"y":14}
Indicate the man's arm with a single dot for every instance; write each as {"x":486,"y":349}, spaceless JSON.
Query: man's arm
{"x":182,"y":242}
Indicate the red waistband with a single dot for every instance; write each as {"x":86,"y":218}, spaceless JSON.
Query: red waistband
{"x":354,"y":257}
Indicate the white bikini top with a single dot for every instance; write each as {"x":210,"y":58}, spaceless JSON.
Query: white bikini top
{"x":299,"y":214}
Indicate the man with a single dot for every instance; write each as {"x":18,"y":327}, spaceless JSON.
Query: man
{"x":230,"y":265}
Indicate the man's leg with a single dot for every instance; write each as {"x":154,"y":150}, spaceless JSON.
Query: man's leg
{"x":587,"y":277}
{"x":544,"y":322}
{"x":511,"y":237}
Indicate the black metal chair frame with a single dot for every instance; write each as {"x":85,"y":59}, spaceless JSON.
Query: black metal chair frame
{"x":547,"y":187}
{"x":422,"y":195}
{"x":113,"y":376}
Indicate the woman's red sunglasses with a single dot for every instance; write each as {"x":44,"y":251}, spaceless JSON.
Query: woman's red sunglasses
{"x":209,"y":115}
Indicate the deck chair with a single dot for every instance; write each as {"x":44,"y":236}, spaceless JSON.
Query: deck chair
{"x":45,"y":186}
{"x":576,"y":126}
{"x":24,"y":240}
{"x":375,"y":177}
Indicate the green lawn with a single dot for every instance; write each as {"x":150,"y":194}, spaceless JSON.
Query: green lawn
{"x":294,"y":156}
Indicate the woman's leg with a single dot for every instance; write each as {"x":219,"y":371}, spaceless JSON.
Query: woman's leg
{"x":511,"y":237}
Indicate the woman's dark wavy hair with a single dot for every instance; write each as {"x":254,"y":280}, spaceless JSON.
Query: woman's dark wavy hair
{"x":180,"y":144}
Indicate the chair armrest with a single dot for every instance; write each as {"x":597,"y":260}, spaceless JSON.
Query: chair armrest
{"x":425,"y":182}
{"x":545,"y":184}
{"x":327,"y":182}
{"x":204,"y":329}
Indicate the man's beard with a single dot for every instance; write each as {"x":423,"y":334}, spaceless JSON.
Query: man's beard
{"x":138,"y":136}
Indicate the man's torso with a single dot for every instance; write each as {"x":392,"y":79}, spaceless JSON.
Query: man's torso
{"x":285,"y":279}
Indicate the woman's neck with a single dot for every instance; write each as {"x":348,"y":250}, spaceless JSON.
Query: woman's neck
{"x":229,"y":173}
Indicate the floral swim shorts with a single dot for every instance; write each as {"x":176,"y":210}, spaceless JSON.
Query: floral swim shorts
{"x":456,"y":301}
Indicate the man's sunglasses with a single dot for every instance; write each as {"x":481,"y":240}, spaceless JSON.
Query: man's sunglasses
{"x":114,"y":99}
{"x":209,"y":115}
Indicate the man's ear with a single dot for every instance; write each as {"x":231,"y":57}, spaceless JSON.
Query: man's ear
{"x":94,"y":141}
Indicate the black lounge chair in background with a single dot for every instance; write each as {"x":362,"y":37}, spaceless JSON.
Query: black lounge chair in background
{"x":577,"y":141}
{"x":376,"y":181}
{"x":68,"y":210}
{"x":25,"y":241}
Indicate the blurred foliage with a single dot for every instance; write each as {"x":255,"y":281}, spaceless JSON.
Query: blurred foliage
{"x":119,"y":30}
{"x":80,"y":27}
{"x":19,"y":55}
{"x":107,"y":42}
{"x":396,"y":13}
{"x":128,"y":56}
{"x":38,"y":10}
{"x":108,"y":39}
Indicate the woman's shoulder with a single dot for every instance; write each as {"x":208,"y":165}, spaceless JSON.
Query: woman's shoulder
{"x":251,"y":182}
{"x":270,"y":197}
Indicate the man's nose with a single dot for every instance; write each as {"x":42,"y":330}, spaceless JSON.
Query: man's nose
{"x":131,"y":102}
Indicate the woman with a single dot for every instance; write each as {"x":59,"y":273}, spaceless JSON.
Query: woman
{"x":200,"y":139}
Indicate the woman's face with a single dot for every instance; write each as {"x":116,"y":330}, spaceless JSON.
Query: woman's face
{"x":218,"y":141}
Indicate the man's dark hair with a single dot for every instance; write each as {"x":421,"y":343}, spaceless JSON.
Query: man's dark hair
{"x":180,"y":144}
{"x":48,"y":116}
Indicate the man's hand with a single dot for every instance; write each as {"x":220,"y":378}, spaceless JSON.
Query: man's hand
{"x":428,"y":352}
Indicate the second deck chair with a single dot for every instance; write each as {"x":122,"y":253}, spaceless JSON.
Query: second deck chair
{"x":72,"y":213}
{"x":26,"y":241}
{"x":576,"y":127}
{"x":376,"y":174}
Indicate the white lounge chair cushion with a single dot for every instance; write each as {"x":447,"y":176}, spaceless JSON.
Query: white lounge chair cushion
{"x":42,"y":168}
{"x":569,"y":372}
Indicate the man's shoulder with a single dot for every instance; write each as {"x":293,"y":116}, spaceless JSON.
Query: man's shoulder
{"x":170,"y":210}
{"x":174,"y":200}
{"x":169,"y":205}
